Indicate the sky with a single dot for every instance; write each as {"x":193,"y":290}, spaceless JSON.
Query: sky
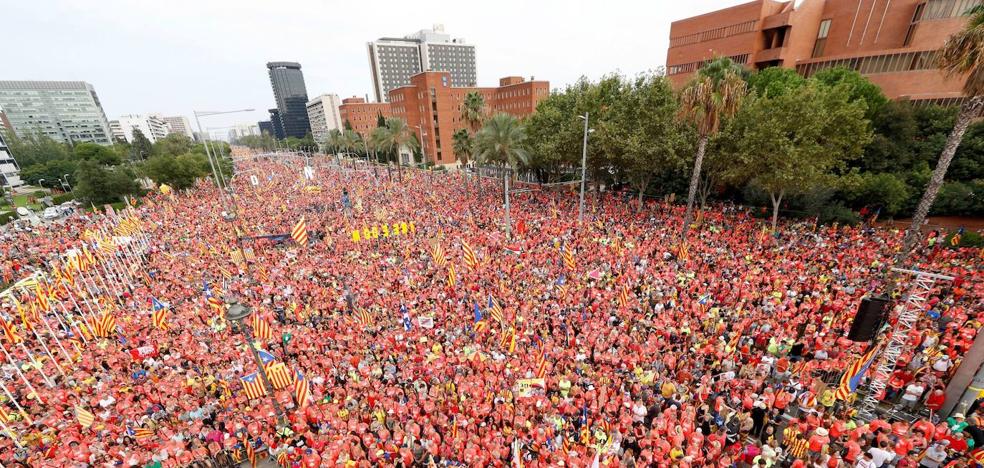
{"x":176,"y":56}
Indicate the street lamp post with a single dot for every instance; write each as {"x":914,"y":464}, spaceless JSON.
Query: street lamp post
{"x":70,"y":189}
{"x":236,"y":315}
{"x":584,"y":164}
{"x":198,"y":115}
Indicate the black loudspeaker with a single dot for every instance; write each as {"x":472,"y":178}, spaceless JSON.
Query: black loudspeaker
{"x":870,"y":316}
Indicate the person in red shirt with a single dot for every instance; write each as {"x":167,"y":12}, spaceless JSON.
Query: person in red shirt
{"x":818,"y":441}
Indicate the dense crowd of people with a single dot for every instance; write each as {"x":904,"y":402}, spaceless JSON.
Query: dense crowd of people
{"x":559,"y":343}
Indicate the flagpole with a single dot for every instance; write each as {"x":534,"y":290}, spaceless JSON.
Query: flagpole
{"x":40,"y":311}
{"x":71,"y":295}
{"x":10,"y":434}
{"x":21,"y":374}
{"x":14,"y":400}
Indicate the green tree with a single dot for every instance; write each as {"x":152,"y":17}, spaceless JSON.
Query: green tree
{"x":172,"y":145}
{"x":501,"y":141}
{"x":180,"y":172}
{"x":641,"y":125}
{"x":100,"y":184}
{"x":50,"y":171}
{"x":35,"y":148}
{"x":99,"y":154}
{"x":715,"y":94}
{"x":554,"y":133}
{"x":334,"y":140}
{"x":960,"y":56}
{"x":473,"y":110}
{"x":141,"y":146}
{"x":393,"y":137}
{"x":793,"y":142}
{"x":463,"y":144}
{"x":380,"y":120}
{"x":774,"y":81}
{"x":859,"y":87}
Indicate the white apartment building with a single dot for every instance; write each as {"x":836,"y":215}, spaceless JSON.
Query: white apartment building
{"x":324,"y":116}
{"x":394,"y":60}
{"x":152,"y":126}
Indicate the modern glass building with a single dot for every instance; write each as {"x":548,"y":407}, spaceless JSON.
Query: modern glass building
{"x":67,"y":111}
{"x":291,"y":95}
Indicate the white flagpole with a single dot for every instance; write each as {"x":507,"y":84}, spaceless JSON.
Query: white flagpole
{"x":43,"y":345}
{"x":21,"y":374}
{"x":14,"y":400}
{"x":11,"y":434}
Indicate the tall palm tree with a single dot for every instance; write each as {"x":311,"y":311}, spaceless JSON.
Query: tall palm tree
{"x":501,"y":141}
{"x":334,"y":140}
{"x":397,"y":135}
{"x":463,"y":144}
{"x":350,"y":141}
{"x":473,"y":110}
{"x":962,"y":55}
{"x":712,"y":96}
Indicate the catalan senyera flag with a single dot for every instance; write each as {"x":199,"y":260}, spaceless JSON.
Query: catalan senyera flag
{"x":41,"y":297}
{"x":160,"y":319}
{"x":213,"y":302}
{"x":541,"y":366}
{"x":10,"y":332}
{"x":623,"y":296}
{"x":438,"y":253}
{"x":452,"y":277}
{"x":283,"y":459}
{"x":851,"y":379}
{"x":301,"y":390}
{"x":568,"y":256}
{"x":280,"y":377}
{"x":253,"y":386}
{"x":250,"y":453}
{"x":299,"y":232}
{"x":106,"y":325}
{"x":471,"y":260}
{"x":85,"y":417}
{"x":261,"y":329}
{"x":143,"y":433}
{"x":364,"y":318}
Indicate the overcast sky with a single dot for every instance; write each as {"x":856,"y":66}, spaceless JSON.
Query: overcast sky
{"x":175,"y":56}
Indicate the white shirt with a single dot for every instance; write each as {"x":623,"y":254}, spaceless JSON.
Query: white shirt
{"x":879,"y":456}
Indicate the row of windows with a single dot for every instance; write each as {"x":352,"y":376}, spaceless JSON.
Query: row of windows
{"x":691,"y":67}
{"x":891,"y":63}
{"x":937,"y":9}
{"x":716,"y":33}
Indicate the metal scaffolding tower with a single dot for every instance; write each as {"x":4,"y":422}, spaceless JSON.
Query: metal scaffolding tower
{"x":915,"y":301}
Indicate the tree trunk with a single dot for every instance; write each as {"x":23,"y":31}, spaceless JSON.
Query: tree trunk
{"x":505,"y":179}
{"x":694,"y":181}
{"x":970,"y":110}
{"x":642,"y":192}
{"x":775,"y":208}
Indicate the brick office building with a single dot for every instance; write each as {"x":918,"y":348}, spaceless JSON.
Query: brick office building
{"x":893,"y":43}
{"x":431,"y":106}
{"x":361,"y":115}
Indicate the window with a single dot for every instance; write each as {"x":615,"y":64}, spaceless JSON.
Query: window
{"x":821,"y":38}
{"x":916,"y":16}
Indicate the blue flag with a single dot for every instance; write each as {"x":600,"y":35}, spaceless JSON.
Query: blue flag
{"x":407,"y":324}
{"x":478,"y":313}
{"x":265,"y":356}
{"x":157,"y":305}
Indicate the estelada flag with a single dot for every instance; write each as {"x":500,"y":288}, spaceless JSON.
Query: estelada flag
{"x":299,"y":233}
{"x":452,"y":277}
{"x":301,"y":390}
{"x":261,"y":329}
{"x":253,"y":386}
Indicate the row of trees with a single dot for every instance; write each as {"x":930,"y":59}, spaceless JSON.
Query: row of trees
{"x":826,"y":146}
{"x":104,"y":174}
